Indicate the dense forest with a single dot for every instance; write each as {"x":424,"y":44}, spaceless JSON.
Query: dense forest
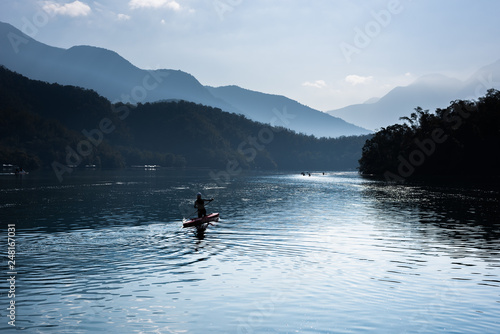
{"x":52,"y":126}
{"x":462,"y":139}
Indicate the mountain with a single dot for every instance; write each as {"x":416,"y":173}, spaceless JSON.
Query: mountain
{"x":51,"y":125}
{"x":371,"y":100}
{"x":282,"y":111}
{"x":485,"y":78}
{"x":429,"y":92}
{"x":99,"y":69}
{"x":41,"y":123}
{"x":117,"y":79}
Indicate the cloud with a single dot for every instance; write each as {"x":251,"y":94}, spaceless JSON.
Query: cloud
{"x":123,"y":17}
{"x":136,"y":4}
{"x":316,"y":84}
{"x":354,"y":79}
{"x":72,"y":9}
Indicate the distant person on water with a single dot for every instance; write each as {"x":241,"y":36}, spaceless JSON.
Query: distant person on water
{"x":200,"y":205}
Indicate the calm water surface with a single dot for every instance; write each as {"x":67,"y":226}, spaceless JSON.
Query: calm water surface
{"x":104,"y":251}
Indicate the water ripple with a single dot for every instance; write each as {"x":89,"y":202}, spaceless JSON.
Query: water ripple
{"x":326,"y":253}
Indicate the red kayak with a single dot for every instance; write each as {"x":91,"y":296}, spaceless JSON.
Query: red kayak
{"x":213,"y":217}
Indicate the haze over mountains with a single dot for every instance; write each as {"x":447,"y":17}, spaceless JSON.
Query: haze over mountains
{"x":115,"y":78}
{"x":429,"y":92}
{"x":46,"y":125}
{"x":285,"y":112}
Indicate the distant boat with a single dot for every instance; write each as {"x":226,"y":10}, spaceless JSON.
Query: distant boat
{"x":146,"y":167}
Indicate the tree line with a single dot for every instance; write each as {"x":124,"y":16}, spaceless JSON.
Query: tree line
{"x":462,"y":139}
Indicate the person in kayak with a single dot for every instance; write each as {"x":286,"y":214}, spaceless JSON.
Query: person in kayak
{"x":200,"y":205}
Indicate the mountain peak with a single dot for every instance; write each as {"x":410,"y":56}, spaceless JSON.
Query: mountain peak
{"x":95,"y":50}
{"x":97,"y":56}
{"x":428,"y":91}
{"x":435,"y":79}
{"x":115,"y":78}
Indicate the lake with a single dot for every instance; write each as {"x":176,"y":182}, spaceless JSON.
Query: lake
{"x":105,"y":251}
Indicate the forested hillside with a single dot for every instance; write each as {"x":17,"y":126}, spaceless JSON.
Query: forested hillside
{"x":47,"y":125}
{"x":462,"y":139}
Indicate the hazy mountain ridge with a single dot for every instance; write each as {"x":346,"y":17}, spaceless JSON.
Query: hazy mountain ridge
{"x":96,"y":68}
{"x":429,"y":92}
{"x":282,"y":111}
{"x":42,"y":124}
{"x":117,"y":79}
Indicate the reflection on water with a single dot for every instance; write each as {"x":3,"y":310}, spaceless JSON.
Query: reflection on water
{"x":333,"y":253}
{"x":462,"y":213}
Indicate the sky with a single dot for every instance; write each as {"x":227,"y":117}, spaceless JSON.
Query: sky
{"x":325,"y":54}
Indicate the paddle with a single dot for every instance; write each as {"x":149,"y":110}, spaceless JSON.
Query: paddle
{"x":210,"y":200}
{"x":193,"y":213}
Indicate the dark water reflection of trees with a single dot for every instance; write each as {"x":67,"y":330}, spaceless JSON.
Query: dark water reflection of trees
{"x":463,"y":212}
